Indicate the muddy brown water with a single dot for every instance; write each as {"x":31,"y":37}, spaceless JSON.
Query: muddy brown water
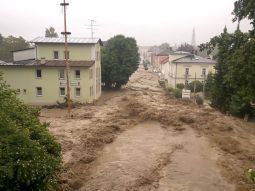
{"x":149,"y":157}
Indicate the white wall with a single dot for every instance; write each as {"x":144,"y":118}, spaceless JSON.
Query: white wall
{"x":24,"y":55}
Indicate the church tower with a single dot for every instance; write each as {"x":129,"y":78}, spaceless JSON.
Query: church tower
{"x":193,"y":41}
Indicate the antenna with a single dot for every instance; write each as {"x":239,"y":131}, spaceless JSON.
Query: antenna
{"x":92,"y":28}
{"x":65,"y":33}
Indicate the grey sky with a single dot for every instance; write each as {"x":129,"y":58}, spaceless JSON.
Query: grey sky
{"x":150,"y":22}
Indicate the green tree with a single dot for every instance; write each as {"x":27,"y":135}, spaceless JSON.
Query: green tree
{"x":245,"y":9}
{"x":120,"y":58}
{"x":186,"y":48}
{"x":50,"y":32}
{"x":30,"y":158}
{"x":9,"y":44}
{"x":232,"y":88}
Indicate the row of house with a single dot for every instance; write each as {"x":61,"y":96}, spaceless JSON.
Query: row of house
{"x":181,"y":67}
{"x":39,"y":73}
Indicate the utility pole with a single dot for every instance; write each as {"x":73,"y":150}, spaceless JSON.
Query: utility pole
{"x":65,"y":33}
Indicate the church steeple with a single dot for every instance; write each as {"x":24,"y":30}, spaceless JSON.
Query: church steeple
{"x":193,"y":41}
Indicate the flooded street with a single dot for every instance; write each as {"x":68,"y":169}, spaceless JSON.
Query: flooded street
{"x":140,"y":138}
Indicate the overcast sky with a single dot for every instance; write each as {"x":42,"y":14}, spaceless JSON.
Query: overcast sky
{"x":150,"y":22}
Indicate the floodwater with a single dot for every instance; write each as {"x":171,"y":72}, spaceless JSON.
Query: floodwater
{"x":149,"y":157}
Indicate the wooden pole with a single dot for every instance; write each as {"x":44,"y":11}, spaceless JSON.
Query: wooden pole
{"x":66,"y":61}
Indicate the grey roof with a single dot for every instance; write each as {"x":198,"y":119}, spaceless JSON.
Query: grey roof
{"x":194,"y":59}
{"x":2,"y":62}
{"x":50,"y":63}
{"x":71,"y":40}
{"x":180,"y":53}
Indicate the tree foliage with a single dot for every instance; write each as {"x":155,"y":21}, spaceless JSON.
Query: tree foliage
{"x":232,"y":87}
{"x":120,"y":59}
{"x":11,"y":43}
{"x":50,"y":32}
{"x":186,"y":48}
{"x":245,"y":9}
{"x":30,"y":157}
{"x":197,"y":84}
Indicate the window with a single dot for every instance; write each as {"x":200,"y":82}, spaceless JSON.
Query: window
{"x":66,"y":53}
{"x":62,"y":74}
{"x":55,"y":55}
{"x":186,"y":71}
{"x":204,"y":72}
{"x":24,"y":91}
{"x":18,"y":91}
{"x":38,"y":73}
{"x":62,"y":91}
{"x":77,"y":74}
{"x":77,"y":92}
{"x":90,"y":73}
{"x":39,"y":91}
{"x":91,"y":91}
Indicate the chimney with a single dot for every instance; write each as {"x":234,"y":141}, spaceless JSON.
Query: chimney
{"x":43,"y":60}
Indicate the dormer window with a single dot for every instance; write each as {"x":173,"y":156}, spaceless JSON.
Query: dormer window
{"x":55,"y":55}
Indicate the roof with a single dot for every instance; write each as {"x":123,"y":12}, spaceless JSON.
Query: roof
{"x":70,"y":40}
{"x":180,"y":53}
{"x":194,"y":59}
{"x":50,"y":63}
{"x":23,"y":49}
{"x":164,"y":61}
{"x":2,"y":62}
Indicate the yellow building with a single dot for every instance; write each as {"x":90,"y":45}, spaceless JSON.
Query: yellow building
{"x":39,"y":74}
{"x":184,"y":68}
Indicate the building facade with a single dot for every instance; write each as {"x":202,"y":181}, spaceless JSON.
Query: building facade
{"x":39,"y":73}
{"x":183,"y":68}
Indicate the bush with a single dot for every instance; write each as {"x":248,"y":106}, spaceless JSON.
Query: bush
{"x":199,"y":86}
{"x":180,"y":86}
{"x":170,"y":89}
{"x":199,"y":100}
{"x":177,"y":93}
{"x":30,"y":158}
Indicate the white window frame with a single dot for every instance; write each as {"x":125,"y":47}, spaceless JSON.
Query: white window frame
{"x":62,"y":95}
{"x":39,"y":95}
{"x":75,"y":92}
{"x":59,"y":72}
{"x":76,"y":75}
{"x":36,"y":76}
